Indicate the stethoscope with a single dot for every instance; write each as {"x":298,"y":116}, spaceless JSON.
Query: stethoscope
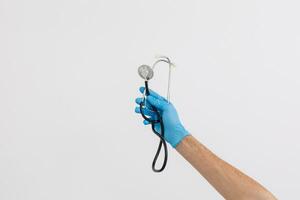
{"x":146,"y":72}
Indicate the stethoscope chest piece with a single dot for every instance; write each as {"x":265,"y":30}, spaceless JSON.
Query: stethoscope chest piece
{"x":145,"y":72}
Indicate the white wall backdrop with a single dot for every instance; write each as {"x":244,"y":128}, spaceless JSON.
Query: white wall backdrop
{"x":68,"y":80}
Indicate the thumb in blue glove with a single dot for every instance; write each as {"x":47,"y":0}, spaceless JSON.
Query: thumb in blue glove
{"x":174,"y":130}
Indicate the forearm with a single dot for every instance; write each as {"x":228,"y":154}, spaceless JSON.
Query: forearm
{"x":227,"y":180}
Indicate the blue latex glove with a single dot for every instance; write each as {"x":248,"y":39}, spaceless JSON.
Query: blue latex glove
{"x":174,"y":130}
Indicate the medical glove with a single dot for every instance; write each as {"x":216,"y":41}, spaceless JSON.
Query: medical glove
{"x":174,"y":130}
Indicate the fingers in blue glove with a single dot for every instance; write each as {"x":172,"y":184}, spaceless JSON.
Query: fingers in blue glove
{"x":145,"y":122}
{"x":158,"y":103}
{"x":152,"y":93}
{"x":146,"y":111}
{"x":154,"y":99}
{"x":138,"y":100}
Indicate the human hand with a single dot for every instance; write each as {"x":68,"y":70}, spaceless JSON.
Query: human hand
{"x":174,"y":130}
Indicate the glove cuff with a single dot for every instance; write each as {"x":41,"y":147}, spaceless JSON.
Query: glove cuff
{"x":180,"y":133}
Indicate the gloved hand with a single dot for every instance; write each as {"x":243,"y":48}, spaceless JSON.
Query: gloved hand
{"x":174,"y":130}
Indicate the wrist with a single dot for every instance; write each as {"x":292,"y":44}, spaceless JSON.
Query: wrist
{"x":179,"y":133}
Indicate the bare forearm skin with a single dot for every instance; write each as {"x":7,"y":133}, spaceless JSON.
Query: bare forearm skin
{"x":231,"y":183}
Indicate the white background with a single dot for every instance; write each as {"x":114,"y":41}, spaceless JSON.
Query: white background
{"x":68,"y":80}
